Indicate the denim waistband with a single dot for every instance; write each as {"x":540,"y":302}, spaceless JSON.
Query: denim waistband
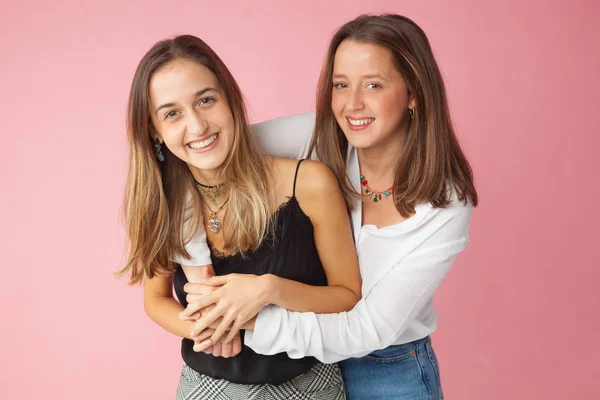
{"x":397,"y":349}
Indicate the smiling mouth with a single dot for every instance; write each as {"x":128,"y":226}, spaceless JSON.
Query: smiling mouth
{"x":200,"y":144}
{"x":360,"y":122}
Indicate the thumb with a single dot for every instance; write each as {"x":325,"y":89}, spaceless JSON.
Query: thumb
{"x":207,"y":271}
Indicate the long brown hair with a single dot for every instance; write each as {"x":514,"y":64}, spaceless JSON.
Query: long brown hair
{"x":160,"y":218}
{"x":432,"y":162}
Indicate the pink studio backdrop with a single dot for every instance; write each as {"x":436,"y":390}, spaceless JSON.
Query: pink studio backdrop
{"x":519,"y":310}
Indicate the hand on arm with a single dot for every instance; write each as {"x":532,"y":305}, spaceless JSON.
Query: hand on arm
{"x":229,"y":349}
{"x":381,"y":316}
{"x":163,"y":309}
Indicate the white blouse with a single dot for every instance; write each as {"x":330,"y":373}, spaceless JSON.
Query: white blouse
{"x":401,"y":267}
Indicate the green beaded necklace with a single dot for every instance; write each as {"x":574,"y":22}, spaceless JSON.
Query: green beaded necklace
{"x":212,"y":192}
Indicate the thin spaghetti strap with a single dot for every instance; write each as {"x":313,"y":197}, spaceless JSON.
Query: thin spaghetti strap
{"x":296,"y":177}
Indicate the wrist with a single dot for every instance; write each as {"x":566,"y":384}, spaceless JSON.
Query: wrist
{"x":269,"y":289}
{"x":249,"y":325}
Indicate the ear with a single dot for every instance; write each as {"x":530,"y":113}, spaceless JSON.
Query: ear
{"x":412,"y":103}
{"x":154,"y":134}
{"x":157,"y":139}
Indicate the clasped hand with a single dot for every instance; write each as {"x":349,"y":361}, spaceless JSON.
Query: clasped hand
{"x":224,"y":303}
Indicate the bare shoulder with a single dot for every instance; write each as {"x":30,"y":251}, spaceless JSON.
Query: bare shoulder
{"x":318,"y":193}
{"x":313,"y":180}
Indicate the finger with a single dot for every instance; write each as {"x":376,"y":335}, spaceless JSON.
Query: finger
{"x":201,"y":292}
{"x":202,"y":302}
{"x":217,"y":349}
{"x":218,"y":280}
{"x":207,"y":309}
{"x":202,"y":341}
{"x":201,"y":338}
{"x":215,"y":324}
{"x":196,"y":296}
{"x":233,"y":331}
{"x":222,"y":328}
{"x":208,"y":350}
{"x":190,"y":298}
{"x":193,"y":317}
{"x":226,"y":349}
{"x":206,"y":320}
{"x":194,"y":288}
{"x":236,"y":344}
{"x":198,"y":347}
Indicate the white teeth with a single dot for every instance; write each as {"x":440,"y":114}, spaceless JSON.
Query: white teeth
{"x":204,"y":143}
{"x":359,"y":122}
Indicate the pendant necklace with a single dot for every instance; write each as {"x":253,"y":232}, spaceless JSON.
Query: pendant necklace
{"x":213,"y":221}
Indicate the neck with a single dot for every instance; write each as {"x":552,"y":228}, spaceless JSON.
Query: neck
{"x":208,"y":177}
{"x":378,"y":162}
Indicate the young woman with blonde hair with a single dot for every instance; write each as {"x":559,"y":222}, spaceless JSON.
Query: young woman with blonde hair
{"x":195,"y":168}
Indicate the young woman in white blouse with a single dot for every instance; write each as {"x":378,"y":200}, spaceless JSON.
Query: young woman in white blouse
{"x":383,"y":126}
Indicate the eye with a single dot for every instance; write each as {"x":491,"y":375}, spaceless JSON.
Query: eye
{"x":374,"y":86}
{"x":340,"y":85}
{"x":206,"y":101}
{"x":171,"y":114}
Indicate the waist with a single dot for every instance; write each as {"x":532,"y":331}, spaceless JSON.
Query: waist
{"x":247,"y":367}
{"x":400,"y":350}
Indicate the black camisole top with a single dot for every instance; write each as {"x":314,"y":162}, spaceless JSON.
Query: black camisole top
{"x":292,"y":255}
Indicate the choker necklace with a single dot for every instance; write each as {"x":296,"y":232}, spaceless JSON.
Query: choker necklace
{"x":213,"y":223}
{"x":373,"y":194}
{"x":212,"y":192}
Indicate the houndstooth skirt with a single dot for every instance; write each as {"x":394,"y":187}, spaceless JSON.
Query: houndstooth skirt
{"x":322,"y":382}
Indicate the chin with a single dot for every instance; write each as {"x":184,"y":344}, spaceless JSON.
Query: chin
{"x":208,"y":162}
{"x":360,"y":142}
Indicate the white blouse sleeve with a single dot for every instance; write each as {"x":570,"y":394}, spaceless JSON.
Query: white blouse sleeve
{"x":378,"y":318}
{"x":197,"y":247}
{"x":286,"y":137}
{"x":198,"y":250}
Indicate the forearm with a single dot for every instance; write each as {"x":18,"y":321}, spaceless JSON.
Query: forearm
{"x":249,"y":325}
{"x":328,"y":337}
{"x":195,"y":274}
{"x":165,"y":312}
{"x":296,"y":296}
{"x":374,"y":323}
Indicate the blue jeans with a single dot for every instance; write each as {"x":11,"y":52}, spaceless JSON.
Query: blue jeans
{"x":403,"y":372}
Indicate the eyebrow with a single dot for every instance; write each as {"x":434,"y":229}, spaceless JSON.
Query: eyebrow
{"x":197,"y":94}
{"x":368,"y":76}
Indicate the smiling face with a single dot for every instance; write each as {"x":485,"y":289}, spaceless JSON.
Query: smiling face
{"x":369,"y":99}
{"x":191,"y":115}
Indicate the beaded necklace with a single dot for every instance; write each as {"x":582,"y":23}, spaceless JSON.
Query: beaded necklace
{"x":375,"y":195}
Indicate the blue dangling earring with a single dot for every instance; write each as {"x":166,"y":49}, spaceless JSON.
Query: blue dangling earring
{"x":159,"y":153}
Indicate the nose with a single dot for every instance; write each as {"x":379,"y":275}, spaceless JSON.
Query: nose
{"x":196,"y":124}
{"x":355,"y":100}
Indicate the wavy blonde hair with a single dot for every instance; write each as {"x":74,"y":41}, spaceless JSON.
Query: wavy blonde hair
{"x":433,"y":164}
{"x":160,"y":219}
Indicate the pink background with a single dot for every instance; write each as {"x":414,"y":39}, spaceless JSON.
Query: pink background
{"x":518,"y":312}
